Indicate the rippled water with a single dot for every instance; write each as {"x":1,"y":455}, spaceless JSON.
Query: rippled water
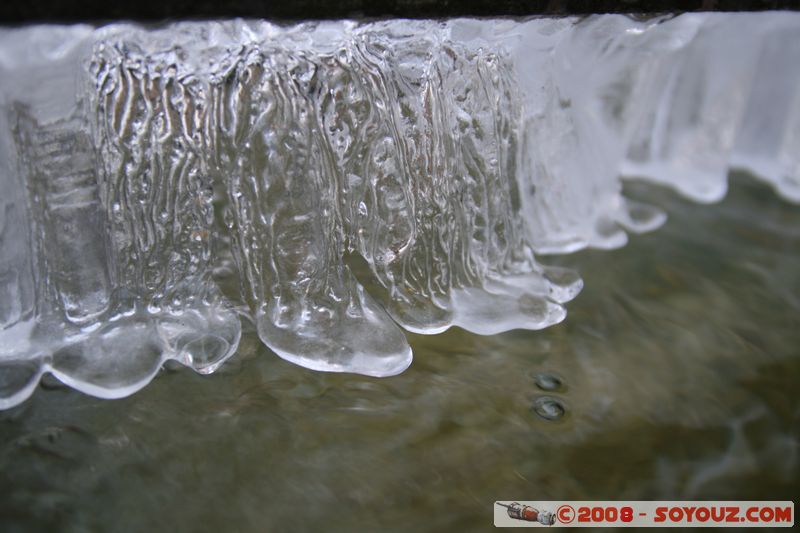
{"x":675,"y":377}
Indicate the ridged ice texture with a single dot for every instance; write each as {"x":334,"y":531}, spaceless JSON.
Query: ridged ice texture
{"x":106,"y":235}
{"x":425,"y":161}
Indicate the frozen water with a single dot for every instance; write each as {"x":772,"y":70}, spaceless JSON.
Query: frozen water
{"x":425,"y":161}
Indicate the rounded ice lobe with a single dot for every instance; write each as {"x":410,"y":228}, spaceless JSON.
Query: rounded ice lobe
{"x":350,"y":179}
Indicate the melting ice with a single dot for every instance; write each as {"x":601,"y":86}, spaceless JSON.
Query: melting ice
{"x":439,"y":156}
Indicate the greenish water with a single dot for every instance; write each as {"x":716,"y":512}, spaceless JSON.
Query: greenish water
{"x":676,"y":374}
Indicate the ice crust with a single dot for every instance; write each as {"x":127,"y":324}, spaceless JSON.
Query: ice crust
{"x":427,"y":161}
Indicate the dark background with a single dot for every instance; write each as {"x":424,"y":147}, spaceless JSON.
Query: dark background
{"x":18,"y":11}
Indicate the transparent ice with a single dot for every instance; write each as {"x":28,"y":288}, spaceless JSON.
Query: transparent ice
{"x":426,"y":161}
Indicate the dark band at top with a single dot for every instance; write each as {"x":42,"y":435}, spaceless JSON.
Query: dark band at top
{"x":22,"y":11}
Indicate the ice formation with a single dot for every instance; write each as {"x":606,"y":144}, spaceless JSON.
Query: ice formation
{"x":428,"y":161}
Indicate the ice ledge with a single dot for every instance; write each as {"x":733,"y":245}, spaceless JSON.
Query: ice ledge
{"x":138,"y":163}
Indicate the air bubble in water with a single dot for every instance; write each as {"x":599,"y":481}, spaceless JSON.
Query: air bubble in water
{"x":549,"y":381}
{"x":549,"y":408}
